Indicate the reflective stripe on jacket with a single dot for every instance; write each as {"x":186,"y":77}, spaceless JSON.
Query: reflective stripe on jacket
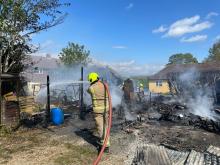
{"x":99,"y":97}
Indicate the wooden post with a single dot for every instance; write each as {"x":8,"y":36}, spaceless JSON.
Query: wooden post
{"x":1,"y":47}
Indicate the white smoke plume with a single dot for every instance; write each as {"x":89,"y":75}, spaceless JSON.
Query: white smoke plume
{"x":65,"y":79}
{"x":197,"y":97}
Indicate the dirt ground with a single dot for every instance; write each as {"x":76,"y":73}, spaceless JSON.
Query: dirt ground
{"x":70,"y":144}
{"x":74,"y":144}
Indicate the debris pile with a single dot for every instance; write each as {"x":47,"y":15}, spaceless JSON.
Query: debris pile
{"x":174,"y":113}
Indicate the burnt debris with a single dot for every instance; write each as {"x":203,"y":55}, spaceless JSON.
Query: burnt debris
{"x":174,"y":113}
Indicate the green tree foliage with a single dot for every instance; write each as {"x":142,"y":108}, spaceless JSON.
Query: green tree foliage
{"x":141,"y":79}
{"x":19,"y":19}
{"x":74,"y":54}
{"x":214,"y":53}
{"x":181,"y":58}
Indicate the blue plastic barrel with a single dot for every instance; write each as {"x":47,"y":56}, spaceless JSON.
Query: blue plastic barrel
{"x":57,"y":116}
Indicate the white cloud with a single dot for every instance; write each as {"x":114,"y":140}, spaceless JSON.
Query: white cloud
{"x":131,"y":68}
{"x":211,"y":14}
{"x":129,"y":6}
{"x":217,"y":37}
{"x":47,"y":44}
{"x":119,"y":47}
{"x":195,"y":38}
{"x":187,"y":25}
{"x":161,"y":29}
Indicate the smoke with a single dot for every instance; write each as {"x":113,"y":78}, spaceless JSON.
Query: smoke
{"x":202,"y":106}
{"x":197,"y":96}
{"x":116,"y":94}
{"x":131,"y":68}
{"x":128,"y":115}
{"x":64,"y":82}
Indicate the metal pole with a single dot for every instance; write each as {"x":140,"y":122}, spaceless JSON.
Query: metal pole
{"x":48,"y":98}
{"x":82,"y":113}
{"x":82,"y":87}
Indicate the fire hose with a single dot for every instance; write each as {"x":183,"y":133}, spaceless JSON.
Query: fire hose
{"x":108,"y":129}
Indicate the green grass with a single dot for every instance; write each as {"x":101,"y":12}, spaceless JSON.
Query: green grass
{"x":5,"y":153}
{"x":5,"y":131}
{"x":12,"y":143}
{"x":76,"y":155}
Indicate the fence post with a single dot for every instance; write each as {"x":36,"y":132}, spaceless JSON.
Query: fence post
{"x":82,"y":113}
{"x":48,"y":98}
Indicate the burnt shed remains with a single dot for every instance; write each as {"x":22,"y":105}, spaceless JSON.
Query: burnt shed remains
{"x":10,"y":113}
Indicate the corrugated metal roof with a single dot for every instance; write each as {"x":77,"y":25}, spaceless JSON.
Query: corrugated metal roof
{"x":195,"y":158}
{"x":177,"y":157}
{"x":156,"y":155}
{"x":214,"y":150}
{"x":8,"y":76}
{"x":35,"y":77}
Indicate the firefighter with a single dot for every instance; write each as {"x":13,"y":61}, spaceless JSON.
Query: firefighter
{"x":140,"y":92}
{"x":100,"y":103}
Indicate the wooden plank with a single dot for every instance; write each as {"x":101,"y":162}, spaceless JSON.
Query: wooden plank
{"x":27,"y":104}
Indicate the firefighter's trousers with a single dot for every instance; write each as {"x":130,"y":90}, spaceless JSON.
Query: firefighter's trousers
{"x":101,"y":126}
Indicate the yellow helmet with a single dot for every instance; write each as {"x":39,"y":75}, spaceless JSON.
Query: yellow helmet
{"x":92,"y":77}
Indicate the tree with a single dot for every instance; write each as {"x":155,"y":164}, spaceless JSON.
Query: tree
{"x":74,"y":54}
{"x":214,"y":53}
{"x":19,"y":19}
{"x":181,"y":58}
{"x":142,"y":79}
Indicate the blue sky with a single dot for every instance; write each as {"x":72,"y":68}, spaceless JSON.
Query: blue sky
{"x":140,"y":32}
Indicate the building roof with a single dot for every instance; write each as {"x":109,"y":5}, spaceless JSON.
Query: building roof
{"x":42,"y":63}
{"x":47,"y":62}
{"x":180,"y":68}
{"x":35,"y":77}
{"x":6,"y":76}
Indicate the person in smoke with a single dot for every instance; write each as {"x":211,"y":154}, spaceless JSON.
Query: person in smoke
{"x":128,"y":89}
{"x":140,"y":93}
{"x":100,"y":103}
